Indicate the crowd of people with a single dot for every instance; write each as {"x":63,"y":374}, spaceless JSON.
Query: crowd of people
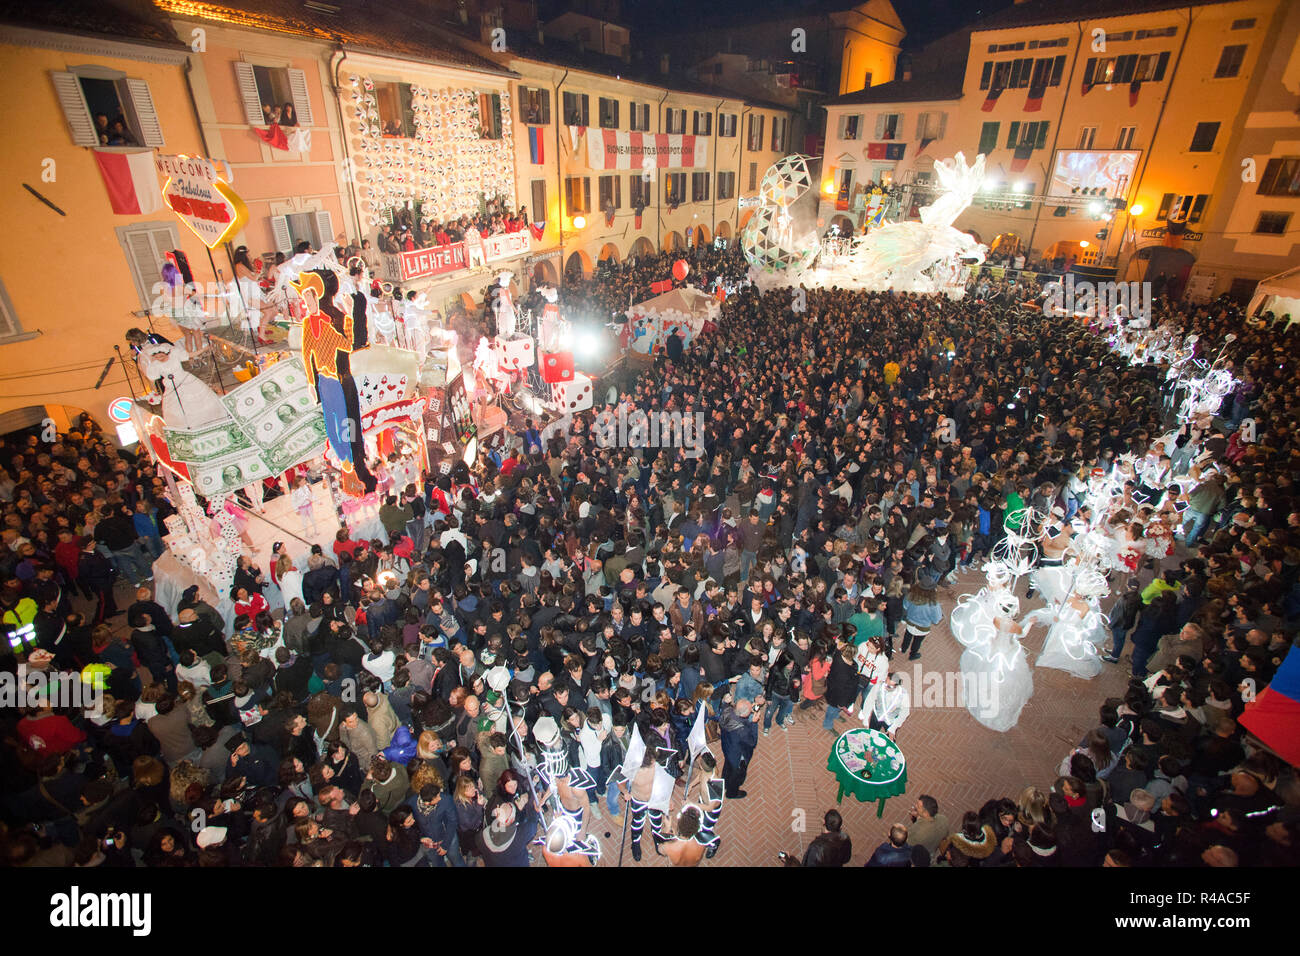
{"x":479,"y":680}
{"x":408,"y":232}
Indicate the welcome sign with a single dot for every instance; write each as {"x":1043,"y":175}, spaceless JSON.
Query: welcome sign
{"x":198,"y":191}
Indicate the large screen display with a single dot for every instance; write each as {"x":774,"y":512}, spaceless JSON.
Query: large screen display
{"x":1094,"y":170}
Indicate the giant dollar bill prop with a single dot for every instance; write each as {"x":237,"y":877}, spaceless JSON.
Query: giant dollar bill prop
{"x":275,"y":422}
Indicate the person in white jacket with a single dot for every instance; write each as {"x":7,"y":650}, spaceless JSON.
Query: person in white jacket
{"x":873,"y":665}
{"x":595,"y":728}
{"x":888,"y":704}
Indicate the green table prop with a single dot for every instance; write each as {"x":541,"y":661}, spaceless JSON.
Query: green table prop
{"x":868,"y":765}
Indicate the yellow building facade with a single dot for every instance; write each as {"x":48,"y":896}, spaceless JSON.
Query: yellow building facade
{"x":75,"y":277}
{"x":1102,"y":134}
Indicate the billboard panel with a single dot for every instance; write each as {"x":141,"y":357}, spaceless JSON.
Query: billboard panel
{"x":1093,"y":169}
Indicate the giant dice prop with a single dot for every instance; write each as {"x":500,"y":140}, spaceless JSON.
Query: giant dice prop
{"x":575,"y":396}
{"x":557,"y":367}
{"x":516,"y":352}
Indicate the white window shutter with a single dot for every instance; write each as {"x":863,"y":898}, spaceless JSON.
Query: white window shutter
{"x":943,"y":125}
{"x":280,"y":232}
{"x":325,"y":228}
{"x":301,"y":101}
{"x":73,"y":101}
{"x":880,"y":126}
{"x":248,"y":93}
{"x":898,"y":130}
{"x":145,"y":114}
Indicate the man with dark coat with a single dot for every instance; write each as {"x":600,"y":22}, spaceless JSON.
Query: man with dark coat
{"x":739,"y":722}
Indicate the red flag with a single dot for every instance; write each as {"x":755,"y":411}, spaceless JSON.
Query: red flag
{"x":636,"y":222}
{"x":1133,"y":89}
{"x":537,"y":229}
{"x":273,"y":136}
{"x":1034,"y":101}
{"x":876,"y":150}
{"x":991,"y":100}
{"x":1020,"y":159}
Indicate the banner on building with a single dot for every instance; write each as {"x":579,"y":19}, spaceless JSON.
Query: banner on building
{"x":506,"y":245}
{"x":619,"y":149}
{"x":422,"y":263}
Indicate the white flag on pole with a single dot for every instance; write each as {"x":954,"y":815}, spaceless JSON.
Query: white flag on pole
{"x":635,"y":754}
{"x":696,"y":740}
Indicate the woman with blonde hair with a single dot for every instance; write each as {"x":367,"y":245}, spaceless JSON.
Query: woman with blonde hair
{"x":289,"y":578}
{"x":469,"y":813}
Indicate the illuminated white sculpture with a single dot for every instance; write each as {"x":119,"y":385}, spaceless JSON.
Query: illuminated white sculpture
{"x":997,"y":669}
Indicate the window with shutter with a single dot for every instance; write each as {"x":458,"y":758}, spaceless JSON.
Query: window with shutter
{"x":986,"y":75}
{"x":1013,"y":135}
{"x":1041,"y":141}
{"x":248,"y":94}
{"x":1160,"y":66}
{"x":68,"y":88}
{"x":280,"y":232}
{"x":989,"y":137}
{"x":301,"y":101}
{"x":324,"y":228}
{"x":146,"y":117}
{"x":146,"y":246}
{"x":1166,"y":201}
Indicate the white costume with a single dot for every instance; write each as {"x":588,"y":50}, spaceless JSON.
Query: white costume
{"x":1074,"y":634}
{"x":995,"y":674}
{"x":972,"y":618}
{"x":187,"y":402}
{"x":503,"y":306}
{"x":890,"y":706}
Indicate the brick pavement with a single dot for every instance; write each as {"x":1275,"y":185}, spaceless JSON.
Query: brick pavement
{"x":950,"y":756}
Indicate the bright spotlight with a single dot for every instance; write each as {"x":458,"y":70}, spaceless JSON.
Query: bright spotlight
{"x":1136,"y":209}
{"x":579,"y":222}
{"x":1094,"y":208}
{"x":586,"y":344}
{"x":1084,"y":243}
{"x":1022,"y":187}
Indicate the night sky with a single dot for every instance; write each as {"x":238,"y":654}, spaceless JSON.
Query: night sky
{"x":925,"y":20}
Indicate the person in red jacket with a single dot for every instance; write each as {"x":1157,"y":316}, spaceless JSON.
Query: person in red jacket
{"x":49,"y":733}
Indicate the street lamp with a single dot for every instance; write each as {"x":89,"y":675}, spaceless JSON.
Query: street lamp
{"x":579,"y":222}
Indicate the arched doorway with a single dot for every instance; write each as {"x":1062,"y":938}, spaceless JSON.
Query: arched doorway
{"x":609,"y":253}
{"x":48,"y":421}
{"x":673,"y":242}
{"x":1005,"y":244}
{"x":843,"y":224}
{"x":724,"y":230}
{"x":702,"y":236}
{"x":744,"y":218}
{"x":1058,"y":254}
{"x":1167,"y":269}
{"x":578,"y":266}
{"x":642,"y":247}
{"x":544,"y":273}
